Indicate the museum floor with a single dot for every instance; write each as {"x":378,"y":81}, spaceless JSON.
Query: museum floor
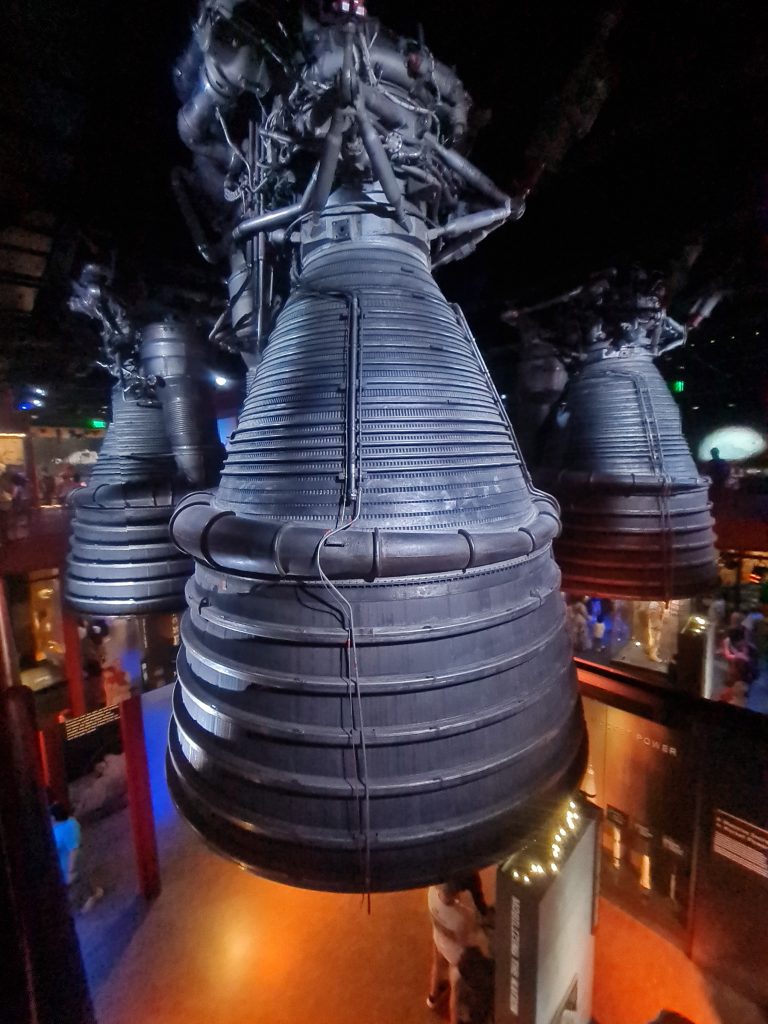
{"x":220,"y":946}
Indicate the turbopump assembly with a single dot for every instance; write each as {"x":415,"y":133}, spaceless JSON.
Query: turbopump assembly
{"x":375,"y":689}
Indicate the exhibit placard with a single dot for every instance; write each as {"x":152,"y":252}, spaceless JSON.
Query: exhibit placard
{"x":741,"y":842}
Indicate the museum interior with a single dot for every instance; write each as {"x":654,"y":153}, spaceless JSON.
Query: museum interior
{"x":383,"y":512}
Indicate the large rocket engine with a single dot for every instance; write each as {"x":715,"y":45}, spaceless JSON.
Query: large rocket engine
{"x":161,"y":444}
{"x":636,"y":513}
{"x":375,"y":689}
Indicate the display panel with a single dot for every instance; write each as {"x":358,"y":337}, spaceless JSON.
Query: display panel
{"x":642,"y":774}
{"x":545,"y":919}
{"x":729,"y":937}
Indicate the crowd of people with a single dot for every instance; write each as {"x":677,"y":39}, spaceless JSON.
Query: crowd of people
{"x":743,"y":647}
{"x":16,"y":497}
{"x":602,"y":627}
{"x":597,"y":624}
{"x":14,"y":500}
{"x":55,"y":489}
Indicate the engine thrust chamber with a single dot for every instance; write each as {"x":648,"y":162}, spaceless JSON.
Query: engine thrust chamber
{"x":375,"y":687}
{"x":121,"y":559}
{"x":636,"y":514}
{"x":171,"y":355}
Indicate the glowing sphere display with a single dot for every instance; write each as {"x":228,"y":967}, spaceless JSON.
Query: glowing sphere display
{"x":734,"y":443}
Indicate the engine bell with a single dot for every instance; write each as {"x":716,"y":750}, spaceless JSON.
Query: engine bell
{"x":636,"y":514}
{"x":375,"y":687}
{"x":121,"y":559}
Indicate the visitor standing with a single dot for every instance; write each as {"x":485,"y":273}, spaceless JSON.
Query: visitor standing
{"x":67,"y":836}
{"x":718,"y":471}
{"x":456,"y":928}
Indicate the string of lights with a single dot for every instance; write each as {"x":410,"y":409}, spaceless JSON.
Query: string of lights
{"x":545,"y":849}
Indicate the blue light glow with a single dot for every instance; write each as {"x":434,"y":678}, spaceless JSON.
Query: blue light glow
{"x":226,"y":426}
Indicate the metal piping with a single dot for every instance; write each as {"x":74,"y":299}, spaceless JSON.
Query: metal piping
{"x":380,"y":106}
{"x":458,"y":250}
{"x":395,"y":71}
{"x":351,"y":482}
{"x":134,"y":494}
{"x":240,"y":544}
{"x":640,"y":483}
{"x":380,"y":165}
{"x":329,"y":160}
{"x":471,"y":175}
{"x":276,"y":218}
{"x":472,"y":222}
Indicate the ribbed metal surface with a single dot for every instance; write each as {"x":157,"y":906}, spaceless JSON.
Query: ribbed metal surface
{"x":384,"y":732}
{"x":636,"y":520}
{"x":171,"y":353}
{"x":135,"y":446}
{"x":121,"y":559}
{"x":436,"y":447}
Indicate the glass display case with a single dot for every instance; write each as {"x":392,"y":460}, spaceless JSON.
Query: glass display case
{"x":631,"y":634}
{"x":709,"y":646}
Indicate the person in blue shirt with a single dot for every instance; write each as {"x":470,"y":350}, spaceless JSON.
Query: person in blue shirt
{"x":67,"y":836}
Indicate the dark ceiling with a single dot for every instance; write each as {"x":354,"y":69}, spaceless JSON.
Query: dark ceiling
{"x":678,"y":153}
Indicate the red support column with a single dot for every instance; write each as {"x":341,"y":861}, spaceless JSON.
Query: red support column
{"x":140,"y":797}
{"x":73,"y":662}
{"x":50,"y":741}
{"x":47,"y":982}
{"x":9,"y":661}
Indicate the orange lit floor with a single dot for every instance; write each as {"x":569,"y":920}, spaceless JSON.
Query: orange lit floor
{"x":220,"y":946}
